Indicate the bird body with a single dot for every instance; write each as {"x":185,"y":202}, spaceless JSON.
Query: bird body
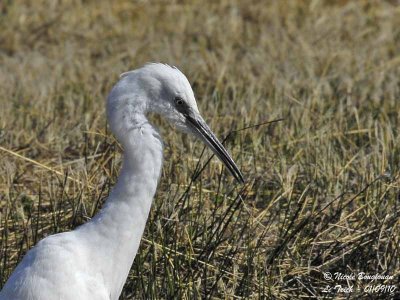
{"x":93,"y":261}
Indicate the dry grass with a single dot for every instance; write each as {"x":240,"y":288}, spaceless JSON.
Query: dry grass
{"x":323,"y":185}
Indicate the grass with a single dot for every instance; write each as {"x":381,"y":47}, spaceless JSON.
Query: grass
{"x":323,"y":185}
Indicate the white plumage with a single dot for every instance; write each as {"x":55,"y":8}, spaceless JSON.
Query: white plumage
{"x":93,"y":261}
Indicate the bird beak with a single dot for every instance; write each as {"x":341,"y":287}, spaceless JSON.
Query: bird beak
{"x":201,"y":129}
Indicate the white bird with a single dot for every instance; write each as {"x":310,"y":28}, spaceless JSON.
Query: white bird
{"x":93,"y":261}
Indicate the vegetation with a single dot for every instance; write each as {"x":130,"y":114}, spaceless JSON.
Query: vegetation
{"x":322,"y":191}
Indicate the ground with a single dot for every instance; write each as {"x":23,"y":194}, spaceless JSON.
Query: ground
{"x":321,"y":199}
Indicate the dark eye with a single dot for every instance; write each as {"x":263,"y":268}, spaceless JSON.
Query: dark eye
{"x":178,"y":101}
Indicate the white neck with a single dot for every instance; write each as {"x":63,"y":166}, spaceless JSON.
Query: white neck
{"x":115,"y":232}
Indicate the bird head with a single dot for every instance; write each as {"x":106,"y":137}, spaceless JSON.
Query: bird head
{"x":164,"y":90}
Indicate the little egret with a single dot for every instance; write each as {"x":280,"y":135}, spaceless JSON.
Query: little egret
{"x":93,"y":261}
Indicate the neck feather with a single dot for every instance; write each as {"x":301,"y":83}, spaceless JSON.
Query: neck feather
{"x":115,"y":232}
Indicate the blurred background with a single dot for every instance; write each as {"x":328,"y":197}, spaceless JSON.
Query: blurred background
{"x":322,"y":192}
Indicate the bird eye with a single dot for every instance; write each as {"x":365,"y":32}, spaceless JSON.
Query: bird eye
{"x":178,"y":101}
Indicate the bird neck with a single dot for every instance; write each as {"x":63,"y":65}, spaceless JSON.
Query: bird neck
{"x":115,"y":232}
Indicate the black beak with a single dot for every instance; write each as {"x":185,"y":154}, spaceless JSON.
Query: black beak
{"x":204,"y":132}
